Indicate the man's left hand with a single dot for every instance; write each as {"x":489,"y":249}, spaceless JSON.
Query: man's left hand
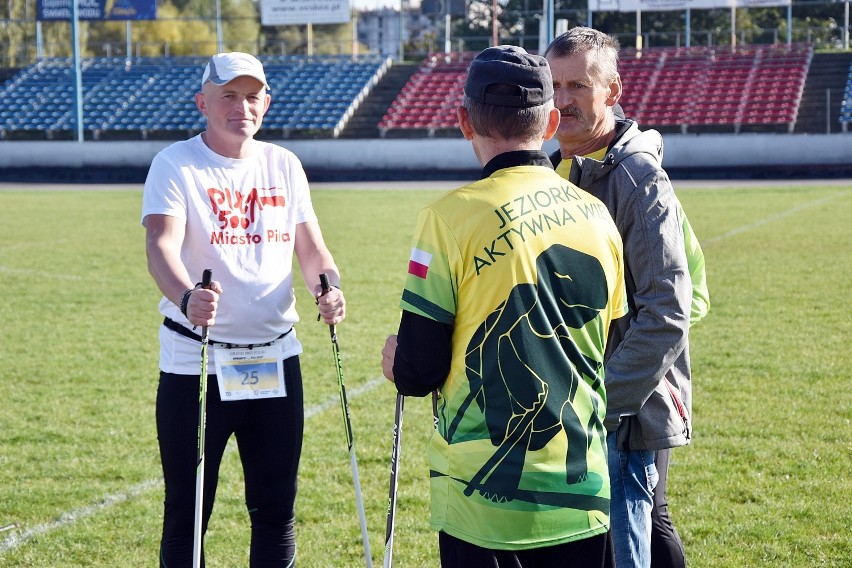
{"x":388,"y":354}
{"x":332,"y":306}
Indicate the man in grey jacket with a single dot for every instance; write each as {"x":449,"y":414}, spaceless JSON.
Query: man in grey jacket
{"x":648,"y":383}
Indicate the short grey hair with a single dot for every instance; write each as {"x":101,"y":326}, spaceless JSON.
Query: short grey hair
{"x":507,"y":123}
{"x":582,"y":39}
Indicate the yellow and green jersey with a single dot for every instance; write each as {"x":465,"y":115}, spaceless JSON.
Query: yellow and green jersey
{"x":528,"y":270}
{"x":694,"y":255}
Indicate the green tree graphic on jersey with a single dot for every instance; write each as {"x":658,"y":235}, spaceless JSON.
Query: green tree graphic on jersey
{"x":538,"y":371}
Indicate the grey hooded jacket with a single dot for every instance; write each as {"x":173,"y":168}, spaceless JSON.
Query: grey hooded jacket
{"x":648,"y":380}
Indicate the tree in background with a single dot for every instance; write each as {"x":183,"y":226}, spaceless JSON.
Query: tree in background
{"x":328,"y":39}
{"x":818,"y":22}
{"x":182,"y":27}
{"x":169,"y":34}
{"x":188,"y":27}
{"x":13,"y":35}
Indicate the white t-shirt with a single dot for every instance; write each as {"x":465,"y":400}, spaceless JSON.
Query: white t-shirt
{"x":241,"y":217}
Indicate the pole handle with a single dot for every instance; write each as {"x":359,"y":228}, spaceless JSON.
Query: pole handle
{"x":206,"y":278}
{"x":325,"y":285}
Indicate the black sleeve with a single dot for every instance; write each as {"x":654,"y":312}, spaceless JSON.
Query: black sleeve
{"x":423,"y":354}
{"x":555,"y":158}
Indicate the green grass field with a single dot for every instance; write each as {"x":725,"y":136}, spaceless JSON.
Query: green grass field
{"x":766,"y":481}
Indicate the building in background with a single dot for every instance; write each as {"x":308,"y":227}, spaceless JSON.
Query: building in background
{"x":380,"y":31}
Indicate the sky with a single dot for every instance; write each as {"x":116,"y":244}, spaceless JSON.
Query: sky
{"x":377,"y":4}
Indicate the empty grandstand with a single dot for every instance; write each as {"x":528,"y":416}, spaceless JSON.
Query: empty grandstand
{"x":429,"y":99}
{"x":752,"y":88}
{"x":153,"y":97}
{"x":748,"y":86}
{"x":688,"y":89}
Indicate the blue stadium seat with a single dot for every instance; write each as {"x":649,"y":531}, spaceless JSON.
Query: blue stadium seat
{"x":845,"y":117}
{"x":150,"y":93}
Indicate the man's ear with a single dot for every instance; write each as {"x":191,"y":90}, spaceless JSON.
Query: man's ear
{"x":552,"y":123}
{"x":200,"y":103}
{"x":614,"y":91}
{"x":464,"y":123}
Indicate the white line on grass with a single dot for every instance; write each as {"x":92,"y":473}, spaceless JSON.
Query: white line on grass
{"x":71,"y":517}
{"x":770,"y":219}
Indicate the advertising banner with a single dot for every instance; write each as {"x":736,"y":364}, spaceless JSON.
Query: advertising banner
{"x":290,"y":12}
{"x":665,"y":5}
{"x":48,"y":10}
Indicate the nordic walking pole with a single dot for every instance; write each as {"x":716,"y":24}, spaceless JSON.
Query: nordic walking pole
{"x":207,"y":275}
{"x":326,"y":287}
{"x":394,"y":479}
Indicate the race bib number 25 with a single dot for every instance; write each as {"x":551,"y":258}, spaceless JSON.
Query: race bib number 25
{"x":245,"y":374}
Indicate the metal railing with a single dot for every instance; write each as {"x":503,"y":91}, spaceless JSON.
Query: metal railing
{"x":14,"y":55}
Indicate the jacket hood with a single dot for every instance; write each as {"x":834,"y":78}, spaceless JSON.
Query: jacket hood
{"x":634,"y":141}
{"x":629,"y":141}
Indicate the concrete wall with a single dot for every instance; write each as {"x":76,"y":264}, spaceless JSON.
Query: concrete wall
{"x":829,"y":153}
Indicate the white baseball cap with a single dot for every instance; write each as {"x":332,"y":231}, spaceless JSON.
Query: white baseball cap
{"x":225,"y":67}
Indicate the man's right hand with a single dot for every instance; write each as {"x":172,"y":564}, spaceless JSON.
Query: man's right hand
{"x":202,"y":305}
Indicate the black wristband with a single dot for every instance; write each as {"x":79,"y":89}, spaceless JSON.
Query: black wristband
{"x":184,"y":301}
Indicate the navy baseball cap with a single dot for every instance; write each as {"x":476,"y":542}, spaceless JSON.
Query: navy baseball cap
{"x":509,"y":65}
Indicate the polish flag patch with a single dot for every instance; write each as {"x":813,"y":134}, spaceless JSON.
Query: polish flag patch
{"x":418,"y":264}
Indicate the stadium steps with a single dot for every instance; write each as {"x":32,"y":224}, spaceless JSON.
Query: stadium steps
{"x":365,"y":120}
{"x":828,"y":72}
{"x":7,"y":73}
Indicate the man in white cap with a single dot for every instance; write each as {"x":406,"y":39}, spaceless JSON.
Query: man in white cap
{"x":241,"y":207}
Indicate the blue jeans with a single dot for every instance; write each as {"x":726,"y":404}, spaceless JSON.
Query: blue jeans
{"x":633,"y":477}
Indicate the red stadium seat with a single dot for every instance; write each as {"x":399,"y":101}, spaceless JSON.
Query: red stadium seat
{"x":714,"y":85}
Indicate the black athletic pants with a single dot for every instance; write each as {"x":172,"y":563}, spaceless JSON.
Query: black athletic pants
{"x":666,"y":546}
{"x":593,"y":552}
{"x":269,"y":439}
